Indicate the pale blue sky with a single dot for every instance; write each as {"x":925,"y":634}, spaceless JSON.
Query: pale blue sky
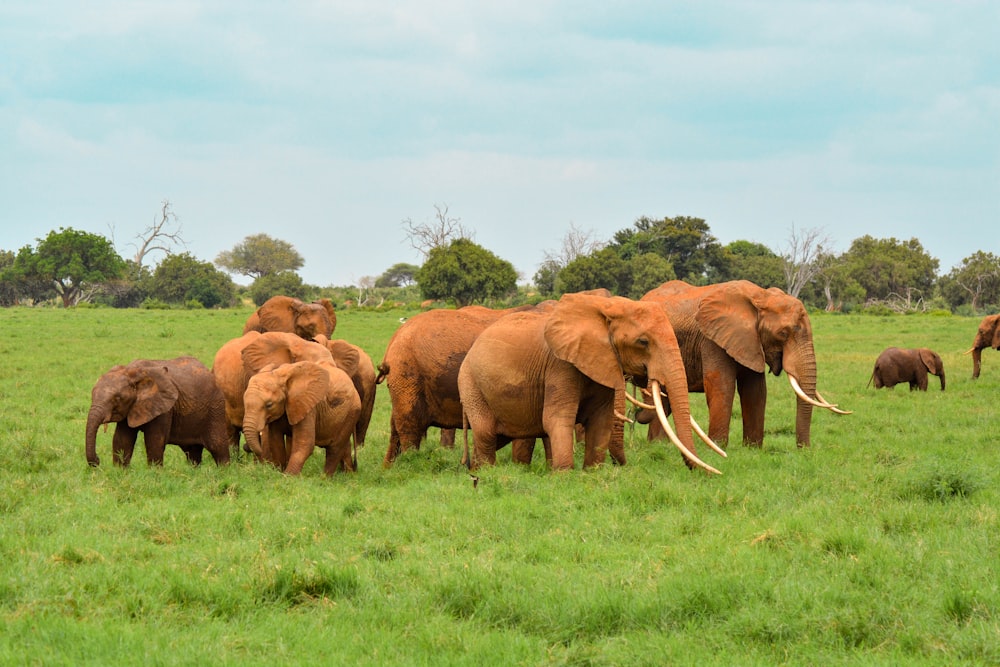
{"x":326,"y":124}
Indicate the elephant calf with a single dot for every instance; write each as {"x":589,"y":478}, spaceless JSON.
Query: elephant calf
{"x":896,"y":365}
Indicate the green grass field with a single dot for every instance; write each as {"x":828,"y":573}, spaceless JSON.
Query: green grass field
{"x":880,"y":544}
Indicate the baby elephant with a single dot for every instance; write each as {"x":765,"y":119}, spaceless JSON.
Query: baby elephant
{"x":896,"y":365}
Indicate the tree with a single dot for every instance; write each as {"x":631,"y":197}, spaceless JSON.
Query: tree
{"x":260,"y":255}
{"x":427,"y":236}
{"x":976,"y":281}
{"x":181,"y":278}
{"x":8,"y":287}
{"x":160,"y":236}
{"x":748,"y":260}
{"x":602,"y":269}
{"x":288,"y":283}
{"x":800,"y":259}
{"x":398,"y":275}
{"x":888,"y":268}
{"x":465,"y":272}
{"x":576,"y":243}
{"x":73,"y":262}
{"x":686,"y":242}
{"x":648,"y":271}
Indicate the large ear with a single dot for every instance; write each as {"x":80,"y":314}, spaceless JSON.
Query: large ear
{"x":278,"y":313}
{"x":728,"y":317}
{"x":996,"y":331}
{"x":929,"y":359}
{"x":306,"y":383}
{"x":266,"y":350}
{"x":345,"y":355}
{"x":155,"y":394}
{"x":577,"y":331}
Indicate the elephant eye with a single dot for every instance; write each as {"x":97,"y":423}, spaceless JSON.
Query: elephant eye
{"x":642,"y":342}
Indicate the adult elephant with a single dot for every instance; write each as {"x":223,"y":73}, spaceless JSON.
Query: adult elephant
{"x":360,"y":367}
{"x":291,"y":315}
{"x":729,"y":334}
{"x":988,"y":335}
{"x":240,"y":358}
{"x":420,"y":369}
{"x":539,"y":374}
{"x":896,"y":365}
{"x":302,"y":406}
{"x":173,"y":401}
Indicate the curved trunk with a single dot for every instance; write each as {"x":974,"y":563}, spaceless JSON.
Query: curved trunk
{"x":977,"y":357}
{"x":251,"y":433}
{"x":803,"y":369}
{"x":95,"y":418}
{"x":941,"y":373}
{"x":674,"y":382}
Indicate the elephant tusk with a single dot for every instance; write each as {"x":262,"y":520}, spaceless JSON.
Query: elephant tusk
{"x":639,"y":404}
{"x":623,"y":418}
{"x":801,"y":394}
{"x":834,"y":409}
{"x":688,"y":454}
{"x":970,"y":350}
{"x":708,"y":441}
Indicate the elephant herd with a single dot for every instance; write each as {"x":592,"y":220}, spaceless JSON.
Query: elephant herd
{"x":559,"y":371}
{"x":897,"y":366}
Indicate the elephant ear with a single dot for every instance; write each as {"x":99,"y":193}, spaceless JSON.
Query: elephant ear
{"x":929,"y":359}
{"x":155,"y":394}
{"x":266,"y":350}
{"x":346,"y":356}
{"x":996,"y":332}
{"x":277,"y":314}
{"x":729,"y":318}
{"x":306,"y":384}
{"x":577,"y":332}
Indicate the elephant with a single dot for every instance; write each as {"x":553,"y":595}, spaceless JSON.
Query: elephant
{"x":420,"y":368}
{"x":988,"y":335}
{"x":291,"y":315}
{"x":896,"y":365}
{"x":729,"y":334}
{"x":173,"y":401}
{"x":539,"y":374}
{"x":313,"y":404}
{"x":234,"y":365}
{"x":359,"y":366}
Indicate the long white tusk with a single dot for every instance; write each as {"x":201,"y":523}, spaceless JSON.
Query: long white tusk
{"x":636,"y":402}
{"x":688,"y":454}
{"x":708,"y":441}
{"x":834,"y":409}
{"x":623,"y":418}
{"x":801,"y":394}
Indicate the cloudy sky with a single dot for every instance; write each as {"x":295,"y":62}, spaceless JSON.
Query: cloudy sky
{"x":328,"y":123}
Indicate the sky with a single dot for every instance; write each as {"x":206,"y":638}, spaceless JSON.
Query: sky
{"x":327,"y":124}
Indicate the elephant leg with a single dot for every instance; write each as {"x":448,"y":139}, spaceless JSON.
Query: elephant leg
{"x":720,"y":389}
{"x":193,"y":453}
{"x":448,"y":438}
{"x":597,"y":440}
{"x":559,"y":423}
{"x":123,"y":444}
{"x":753,"y":400}
{"x":522,"y":450}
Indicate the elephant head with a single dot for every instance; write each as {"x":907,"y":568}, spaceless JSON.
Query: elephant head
{"x":276,"y":348}
{"x":137,"y":394}
{"x":290,"y":390}
{"x":766,"y":329}
{"x":613,"y":339}
{"x":988,"y":335}
{"x":291,"y":315}
{"x":932,"y":362}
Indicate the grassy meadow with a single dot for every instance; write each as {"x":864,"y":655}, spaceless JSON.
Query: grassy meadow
{"x":880,"y":544}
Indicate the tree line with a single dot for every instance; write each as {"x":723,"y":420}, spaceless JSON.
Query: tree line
{"x":69,"y":266}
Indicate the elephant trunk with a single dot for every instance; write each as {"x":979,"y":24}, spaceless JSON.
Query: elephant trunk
{"x":941,"y":373}
{"x":804,"y":371}
{"x":977,"y":358}
{"x":95,"y":418}
{"x":251,"y":433}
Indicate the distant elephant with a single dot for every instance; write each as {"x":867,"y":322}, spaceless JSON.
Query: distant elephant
{"x":313,"y":404}
{"x":539,"y":374}
{"x":988,"y":335}
{"x":897,"y":365}
{"x":291,"y":315}
{"x":420,"y":368}
{"x":233,"y":370}
{"x":174,"y":401}
{"x":357,"y":364}
{"x":729,"y":334}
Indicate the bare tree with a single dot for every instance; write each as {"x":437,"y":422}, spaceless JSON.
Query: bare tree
{"x":800,"y":261}
{"x":426,"y":236}
{"x":576,"y":243}
{"x":159,"y":236}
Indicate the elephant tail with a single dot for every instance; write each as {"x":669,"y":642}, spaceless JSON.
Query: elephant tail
{"x":383,"y":370}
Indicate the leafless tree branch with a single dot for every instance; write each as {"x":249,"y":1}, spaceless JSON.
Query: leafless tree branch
{"x":800,"y":258}
{"x":426,"y":236}
{"x":575,"y":243}
{"x":159,"y":237}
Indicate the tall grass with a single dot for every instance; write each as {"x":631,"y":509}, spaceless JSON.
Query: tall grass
{"x":876,"y":545}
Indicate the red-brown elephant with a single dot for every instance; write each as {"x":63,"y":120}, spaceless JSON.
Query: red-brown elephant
{"x":729,"y":334}
{"x":988,"y":335}
{"x":291,"y":315}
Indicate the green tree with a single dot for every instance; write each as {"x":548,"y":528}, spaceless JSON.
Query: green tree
{"x":287,"y":283}
{"x":747,"y":260}
{"x":75,"y":263}
{"x":545,"y":277}
{"x":687,"y":242}
{"x":181,"y":278}
{"x":602,"y":269}
{"x":260,"y":255}
{"x":648,"y":271}
{"x":889,"y":268}
{"x":465,"y":272}
{"x":8,"y":287}
{"x":975,"y":281}
{"x":398,"y":275}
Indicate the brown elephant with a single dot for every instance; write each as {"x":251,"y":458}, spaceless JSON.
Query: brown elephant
{"x":173,"y":401}
{"x":896,"y":365}
{"x":291,"y":315}
{"x":988,"y":335}
{"x":539,"y":374}
{"x":233,"y":370}
{"x":359,"y":366}
{"x":729,"y":334}
{"x":312,"y":404}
